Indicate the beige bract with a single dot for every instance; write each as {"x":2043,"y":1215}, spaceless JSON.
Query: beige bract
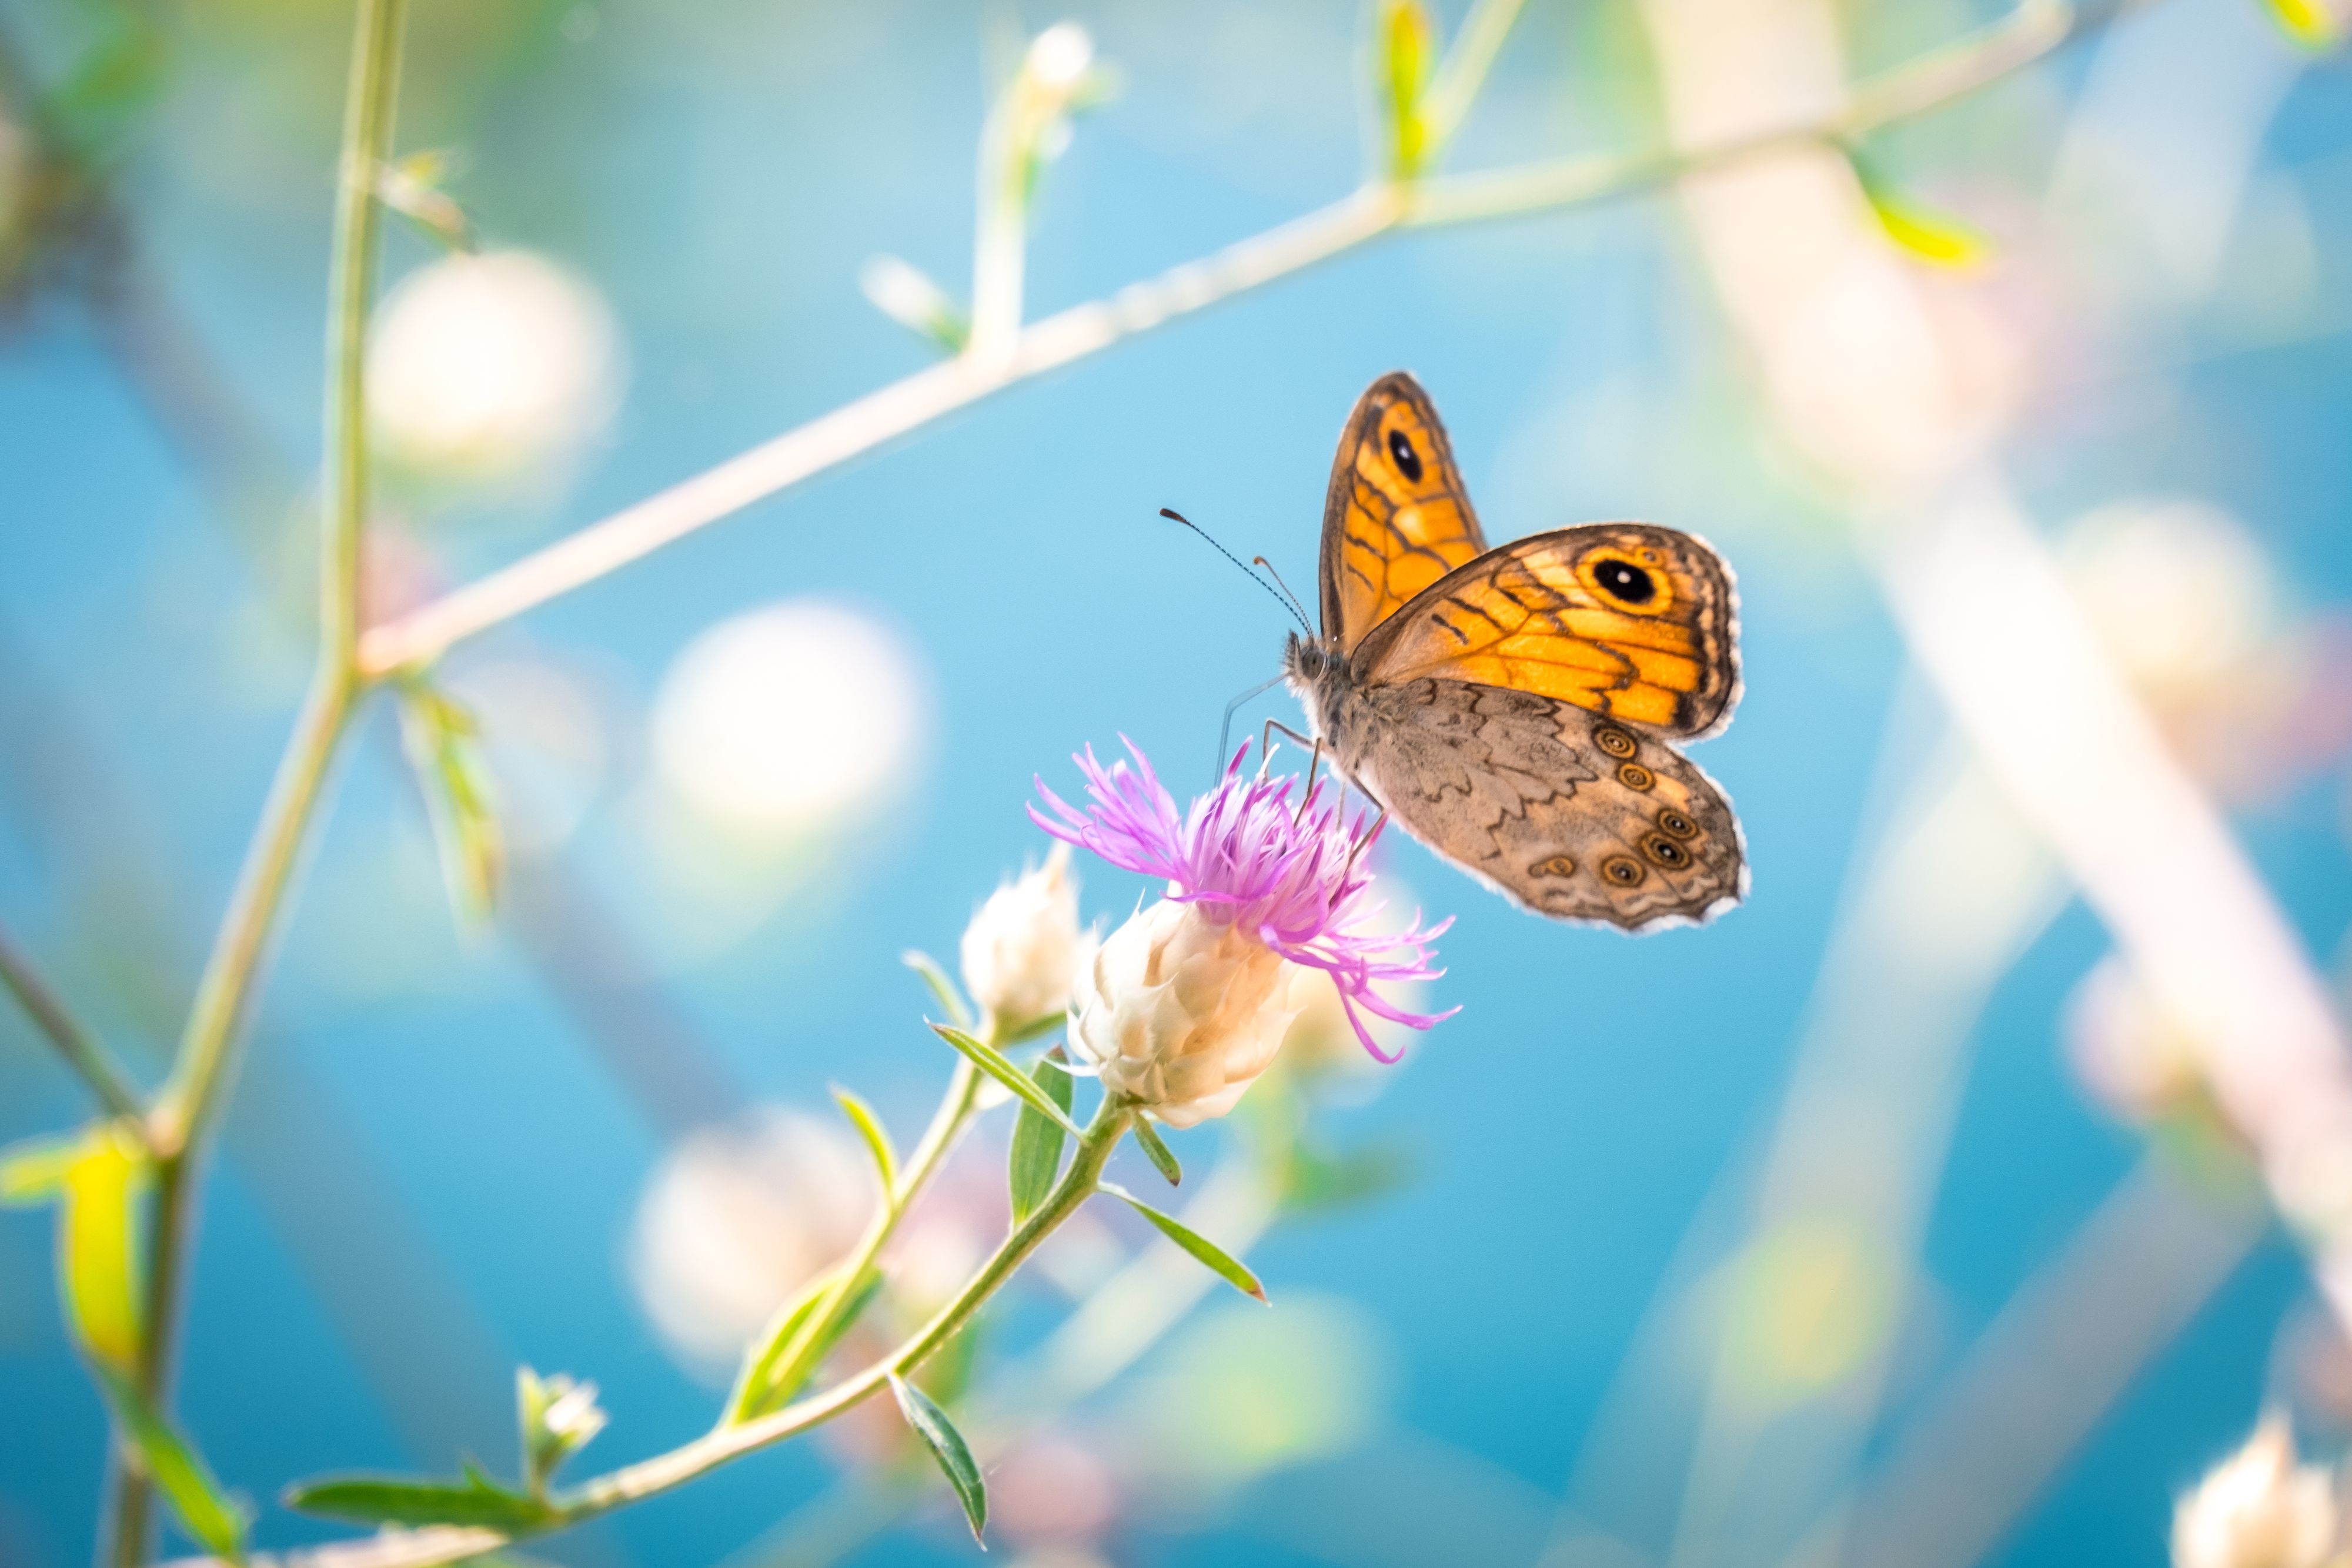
{"x":1182,"y":1011}
{"x":1023,"y":950}
{"x":2259,"y":1509}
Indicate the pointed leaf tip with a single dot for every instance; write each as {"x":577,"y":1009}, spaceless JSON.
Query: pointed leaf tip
{"x":1163,"y":1157}
{"x":994,"y":1063}
{"x":947,"y":1446}
{"x":1219,"y":1261}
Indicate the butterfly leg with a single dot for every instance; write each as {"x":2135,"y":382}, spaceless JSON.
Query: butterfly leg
{"x":1366,"y":837}
{"x":1225,"y":728}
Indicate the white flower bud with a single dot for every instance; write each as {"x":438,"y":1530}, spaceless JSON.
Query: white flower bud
{"x":1182,"y":1011}
{"x":1023,"y":950}
{"x":2258,"y":1509}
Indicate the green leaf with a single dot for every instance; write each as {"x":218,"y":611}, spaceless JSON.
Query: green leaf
{"x":764,"y":1384}
{"x":877,"y":1140}
{"x":97,"y":1244}
{"x":1219,"y":1261}
{"x":2310,"y":22}
{"x":444,"y":744}
{"x":558,"y":1417}
{"x":1931,"y":236}
{"x":947,"y":1446}
{"x":388,"y":1499}
{"x":1163,"y":1157}
{"x":991,"y":1060}
{"x":923,"y":964}
{"x":34,"y":1171}
{"x":1406,"y":36}
{"x":1038,"y":1143}
{"x":204,"y":1510}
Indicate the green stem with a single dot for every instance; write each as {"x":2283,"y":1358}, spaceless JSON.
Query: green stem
{"x":791,"y":1367}
{"x":83,"y":1051}
{"x":191,"y":1103}
{"x":664,"y":1471}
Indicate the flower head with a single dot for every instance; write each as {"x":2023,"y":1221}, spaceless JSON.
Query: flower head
{"x":1024,"y":948}
{"x":2259,"y":1509}
{"x":1290,"y":876}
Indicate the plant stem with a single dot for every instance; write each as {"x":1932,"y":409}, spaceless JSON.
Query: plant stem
{"x":663,"y":1471}
{"x":82,"y":1050}
{"x":2031,"y":32}
{"x":955,"y":1113}
{"x":191,"y":1103}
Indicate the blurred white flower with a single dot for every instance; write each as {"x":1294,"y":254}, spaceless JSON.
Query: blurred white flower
{"x":776,"y":721}
{"x":484,"y":366}
{"x":1023,"y":948}
{"x":2137,"y":1059}
{"x":2259,"y":1509}
{"x":1060,"y":56}
{"x":1183,"y":1011}
{"x":1053,"y":1495}
{"x":2178,"y":591}
{"x":735,"y":1219}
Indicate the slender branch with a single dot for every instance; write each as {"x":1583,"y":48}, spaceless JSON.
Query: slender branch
{"x":1463,"y":73}
{"x":664,"y":1471}
{"x":816,"y":1331}
{"x":83,"y":1051}
{"x":2029,"y":34}
{"x":192,"y":1102}
{"x":1942,"y":75}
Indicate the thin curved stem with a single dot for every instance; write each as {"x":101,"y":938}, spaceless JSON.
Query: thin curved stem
{"x":816,"y":1331}
{"x":664,"y":1471}
{"x":2030,"y":33}
{"x":191,"y":1103}
{"x":79,"y":1047}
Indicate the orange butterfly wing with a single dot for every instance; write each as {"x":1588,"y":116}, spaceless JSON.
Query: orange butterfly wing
{"x":1396,"y":518}
{"x":1628,"y":620}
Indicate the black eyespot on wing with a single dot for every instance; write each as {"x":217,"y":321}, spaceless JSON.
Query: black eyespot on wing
{"x":1625,"y":580}
{"x":1615,"y":741}
{"x":1667,"y":852}
{"x":1677,"y":824}
{"x":1407,"y":460}
{"x":1555,"y":865}
{"x":1624,"y":870}
{"x":1634,"y":776}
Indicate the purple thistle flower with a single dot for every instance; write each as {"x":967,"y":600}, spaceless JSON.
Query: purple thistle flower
{"x":1293,"y":876}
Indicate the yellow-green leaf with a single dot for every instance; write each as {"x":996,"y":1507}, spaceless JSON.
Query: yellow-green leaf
{"x":444,"y":744}
{"x":34,"y":1171}
{"x":877,"y":1139}
{"x":2311,"y":22}
{"x":207,"y":1513}
{"x":97,"y":1233}
{"x":1406,"y":36}
{"x":1932,"y":236}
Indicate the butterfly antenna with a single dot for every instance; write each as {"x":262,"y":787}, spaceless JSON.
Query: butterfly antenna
{"x":1295,"y":607}
{"x":1175,"y":516}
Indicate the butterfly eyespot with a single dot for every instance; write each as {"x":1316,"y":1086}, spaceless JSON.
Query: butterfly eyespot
{"x":1634,"y":776}
{"x":1668,"y":852}
{"x":1621,"y":579}
{"x":1615,"y":741}
{"x":1555,"y":865}
{"x":1675,"y":822}
{"x":1407,"y":460}
{"x":1624,"y":870}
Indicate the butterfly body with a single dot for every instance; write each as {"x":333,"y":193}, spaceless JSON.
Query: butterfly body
{"x":1512,"y":708}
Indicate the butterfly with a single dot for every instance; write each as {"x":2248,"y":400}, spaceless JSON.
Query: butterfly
{"x":1513,"y":708}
